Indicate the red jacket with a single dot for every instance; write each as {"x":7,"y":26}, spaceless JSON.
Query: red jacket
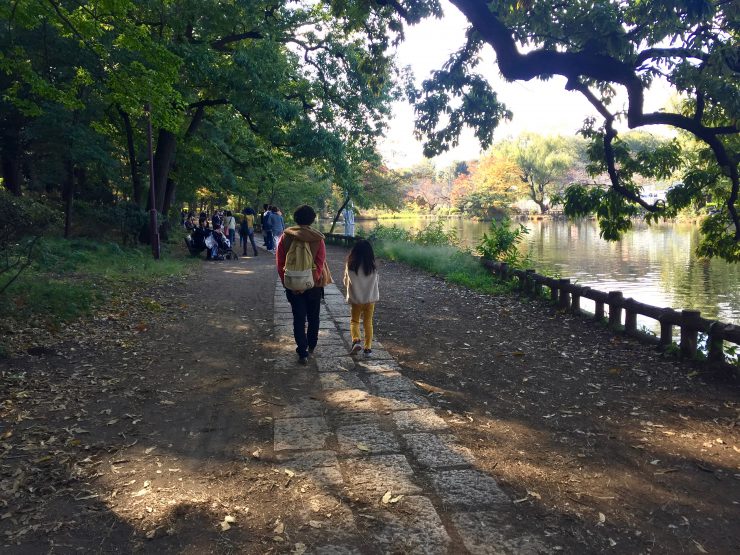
{"x":315,"y":240}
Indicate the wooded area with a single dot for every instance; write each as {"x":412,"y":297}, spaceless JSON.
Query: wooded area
{"x":284,"y":102}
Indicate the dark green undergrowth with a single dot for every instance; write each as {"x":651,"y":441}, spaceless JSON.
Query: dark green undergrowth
{"x":69,"y":279}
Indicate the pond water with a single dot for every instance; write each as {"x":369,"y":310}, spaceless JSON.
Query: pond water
{"x":652,"y":264}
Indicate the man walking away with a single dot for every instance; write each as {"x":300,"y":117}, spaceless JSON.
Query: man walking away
{"x":306,"y":302}
{"x":267,"y":224}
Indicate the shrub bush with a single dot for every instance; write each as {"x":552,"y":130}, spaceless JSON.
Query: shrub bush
{"x":502,"y":243}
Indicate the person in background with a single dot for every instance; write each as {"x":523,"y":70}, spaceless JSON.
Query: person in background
{"x":246,"y":230}
{"x":361,"y":284}
{"x":267,"y":223}
{"x":230,"y":227}
{"x":278,"y":223}
{"x":305,"y":305}
{"x":265,"y":208}
{"x":216,"y":219}
{"x":220,"y":239}
{"x":199,"y":235}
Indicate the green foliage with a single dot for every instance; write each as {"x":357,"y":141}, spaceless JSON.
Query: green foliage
{"x":448,"y":262}
{"x":543,"y":162}
{"x":69,"y":279}
{"x":717,"y":238}
{"x":434,"y":234}
{"x":502,"y":243}
{"x":24,"y":222}
{"x":600,"y":47}
{"x":122,"y":221}
{"x":22,"y":218}
{"x":264,"y":101}
{"x":383,"y":233}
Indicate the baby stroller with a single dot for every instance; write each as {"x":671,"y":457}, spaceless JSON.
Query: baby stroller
{"x":223,"y":250}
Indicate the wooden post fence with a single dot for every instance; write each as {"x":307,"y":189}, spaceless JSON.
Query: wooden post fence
{"x":567,"y":296}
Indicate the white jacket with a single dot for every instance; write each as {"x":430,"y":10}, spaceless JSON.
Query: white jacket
{"x":361,"y":288}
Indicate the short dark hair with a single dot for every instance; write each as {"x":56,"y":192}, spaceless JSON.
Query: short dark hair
{"x":304,"y":215}
{"x":228,"y":212}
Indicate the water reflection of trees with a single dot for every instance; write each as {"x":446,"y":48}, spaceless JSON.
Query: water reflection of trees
{"x":654,"y":264}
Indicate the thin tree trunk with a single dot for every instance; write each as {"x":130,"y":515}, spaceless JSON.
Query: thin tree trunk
{"x":339,"y":212}
{"x":11,"y":166}
{"x":68,"y":197}
{"x":169,"y":196}
{"x":137,"y":189}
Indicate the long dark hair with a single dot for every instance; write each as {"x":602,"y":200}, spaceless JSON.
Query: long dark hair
{"x":361,"y":255}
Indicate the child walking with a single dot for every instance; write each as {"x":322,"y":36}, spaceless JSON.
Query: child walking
{"x":361,"y":283}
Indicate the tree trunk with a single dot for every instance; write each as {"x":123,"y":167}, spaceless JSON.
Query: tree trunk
{"x":137,"y":189}
{"x":543,"y":206}
{"x":11,"y":165}
{"x":68,"y":194}
{"x":163,"y":159}
{"x":339,"y":212}
{"x":164,"y":162}
{"x":169,"y":196}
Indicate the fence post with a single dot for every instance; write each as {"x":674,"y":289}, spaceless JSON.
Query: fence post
{"x":537,"y":287}
{"x":689,"y":332}
{"x":615,"y":300}
{"x":598,"y":310}
{"x":630,"y":317}
{"x":553,"y":291}
{"x":564,"y":295}
{"x":575,"y":301}
{"x":666,"y":329}
{"x":716,"y":342}
{"x":529,"y":282}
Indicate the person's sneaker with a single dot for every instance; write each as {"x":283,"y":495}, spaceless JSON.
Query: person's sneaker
{"x":368,"y":353}
{"x":311,"y":350}
{"x":356,"y":348}
{"x":303,"y":360}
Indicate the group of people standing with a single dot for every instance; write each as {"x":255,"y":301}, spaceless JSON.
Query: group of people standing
{"x":273,"y":225}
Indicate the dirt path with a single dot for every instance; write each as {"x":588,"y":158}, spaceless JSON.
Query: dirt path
{"x":181,"y":424}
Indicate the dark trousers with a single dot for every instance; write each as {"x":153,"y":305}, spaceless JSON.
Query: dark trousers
{"x":269,"y":239}
{"x":250,"y":235}
{"x":305,"y":307}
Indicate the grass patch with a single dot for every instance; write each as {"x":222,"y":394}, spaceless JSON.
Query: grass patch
{"x":71,"y":278}
{"x":449,"y":262}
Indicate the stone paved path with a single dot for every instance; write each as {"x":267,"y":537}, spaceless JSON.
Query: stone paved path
{"x":370,"y":435}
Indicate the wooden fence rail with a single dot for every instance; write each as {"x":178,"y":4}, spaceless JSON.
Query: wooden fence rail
{"x":567,"y":296}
